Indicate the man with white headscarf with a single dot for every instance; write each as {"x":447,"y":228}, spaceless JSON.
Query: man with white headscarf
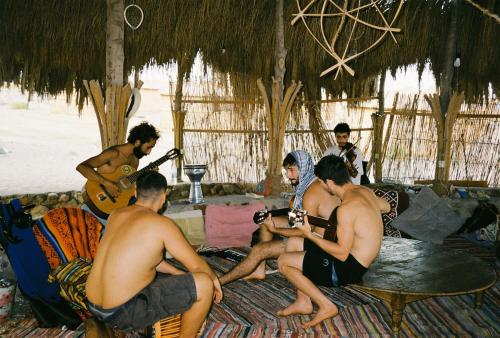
{"x":309,"y":196}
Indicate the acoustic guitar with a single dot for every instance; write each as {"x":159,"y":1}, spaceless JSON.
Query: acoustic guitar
{"x":102,"y":203}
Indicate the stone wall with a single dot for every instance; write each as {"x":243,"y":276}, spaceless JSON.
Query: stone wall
{"x":47,"y":201}
{"x":180,"y":192}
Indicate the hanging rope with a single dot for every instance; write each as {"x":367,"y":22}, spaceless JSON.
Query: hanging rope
{"x":134,"y":27}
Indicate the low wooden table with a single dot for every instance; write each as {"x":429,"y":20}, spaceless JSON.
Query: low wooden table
{"x":409,"y":270}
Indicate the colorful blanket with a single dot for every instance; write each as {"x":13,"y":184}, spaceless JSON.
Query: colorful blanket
{"x":67,"y":233}
{"x":72,"y":278}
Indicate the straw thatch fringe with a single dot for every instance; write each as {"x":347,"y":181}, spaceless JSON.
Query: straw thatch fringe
{"x":71,"y":45}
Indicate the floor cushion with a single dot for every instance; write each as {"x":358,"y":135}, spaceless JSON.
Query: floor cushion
{"x":399,"y":202}
{"x":428,"y":218}
{"x":230,"y":225}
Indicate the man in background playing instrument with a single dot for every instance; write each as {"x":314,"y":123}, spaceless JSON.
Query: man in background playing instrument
{"x":309,"y":195}
{"x":140,"y":141}
{"x":351,"y":154}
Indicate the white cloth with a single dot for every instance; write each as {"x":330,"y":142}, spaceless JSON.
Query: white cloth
{"x":358,"y":162}
{"x":306,"y":175}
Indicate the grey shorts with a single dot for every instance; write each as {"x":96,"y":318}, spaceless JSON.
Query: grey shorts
{"x":167,"y":295}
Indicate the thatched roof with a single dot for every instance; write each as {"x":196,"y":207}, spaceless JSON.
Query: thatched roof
{"x":51,"y":46}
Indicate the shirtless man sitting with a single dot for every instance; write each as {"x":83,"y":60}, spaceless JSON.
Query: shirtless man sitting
{"x":311,"y":260}
{"x":309,"y":195}
{"x":131,"y":286}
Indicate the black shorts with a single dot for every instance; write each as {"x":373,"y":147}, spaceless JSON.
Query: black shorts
{"x":318,"y":265}
{"x":167,"y":295}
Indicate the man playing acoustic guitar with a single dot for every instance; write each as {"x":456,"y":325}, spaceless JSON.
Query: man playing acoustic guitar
{"x":309,"y":195}
{"x":141,"y":140}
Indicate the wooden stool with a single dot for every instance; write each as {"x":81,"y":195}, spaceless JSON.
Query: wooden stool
{"x":169,"y":327}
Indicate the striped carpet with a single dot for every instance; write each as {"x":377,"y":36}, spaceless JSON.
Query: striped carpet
{"x":248,"y":310}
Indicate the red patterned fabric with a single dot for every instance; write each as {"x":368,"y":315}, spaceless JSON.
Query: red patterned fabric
{"x":67,"y":233}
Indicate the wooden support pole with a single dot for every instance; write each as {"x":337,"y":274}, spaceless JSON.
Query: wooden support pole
{"x":115,"y":55}
{"x":179,"y":115}
{"x":111,"y":107}
{"x":278,"y":109}
{"x":378,"y":129}
{"x":441,"y":185}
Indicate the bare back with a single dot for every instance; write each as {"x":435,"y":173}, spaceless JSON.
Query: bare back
{"x":360,"y":223}
{"x":128,"y":255}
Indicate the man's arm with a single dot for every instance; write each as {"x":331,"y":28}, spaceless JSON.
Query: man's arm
{"x":345,"y":236}
{"x":87,"y":169}
{"x":280,"y":226}
{"x":181,"y":250}
{"x":166,"y":267}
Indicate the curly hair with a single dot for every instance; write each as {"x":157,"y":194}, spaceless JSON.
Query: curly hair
{"x":143,"y":132}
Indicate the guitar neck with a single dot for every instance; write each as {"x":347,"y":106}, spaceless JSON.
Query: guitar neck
{"x":279,"y":212}
{"x":314,"y":220}
{"x":155,"y":164}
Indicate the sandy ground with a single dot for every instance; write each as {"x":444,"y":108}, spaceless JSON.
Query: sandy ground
{"x":42,"y":141}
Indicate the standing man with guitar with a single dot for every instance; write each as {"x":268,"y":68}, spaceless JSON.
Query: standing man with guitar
{"x":104,"y":170}
{"x":349,"y":152}
{"x":309,"y":195}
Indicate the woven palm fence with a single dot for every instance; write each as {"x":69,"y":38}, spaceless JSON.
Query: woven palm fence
{"x":410,"y":142}
{"x":229,"y":133}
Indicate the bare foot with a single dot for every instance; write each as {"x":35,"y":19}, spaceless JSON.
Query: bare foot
{"x":303,"y":307}
{"x":322,"y":314}
{"x":256,"y":275}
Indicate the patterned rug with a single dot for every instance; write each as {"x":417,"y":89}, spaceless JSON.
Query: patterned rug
{"x":248,"y":310}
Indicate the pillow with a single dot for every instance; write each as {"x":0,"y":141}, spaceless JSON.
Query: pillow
{"x":399,"y":202}
{"x":428,"y":218}
{"x":72,"y":277}
{"x":230,"y":225}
